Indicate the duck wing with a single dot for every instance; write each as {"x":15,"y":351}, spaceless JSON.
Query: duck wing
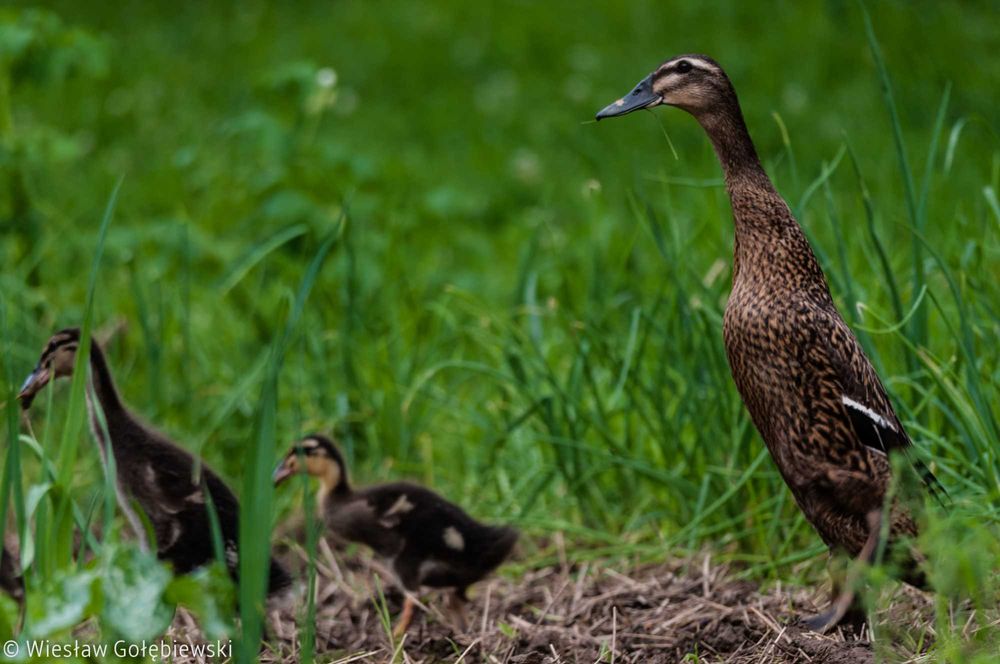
{"x":363,"y":518}
{"x":852,"y":401}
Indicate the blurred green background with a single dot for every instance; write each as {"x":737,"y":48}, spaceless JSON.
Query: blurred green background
{"x":524,"y":307}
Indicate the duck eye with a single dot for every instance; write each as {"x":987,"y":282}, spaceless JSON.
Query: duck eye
{"x":683,"y":67}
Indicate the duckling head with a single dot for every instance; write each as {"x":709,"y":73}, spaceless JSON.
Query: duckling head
{"x":695,"y":83}
{"x":56,"y":361}
{"x":317,"y":456}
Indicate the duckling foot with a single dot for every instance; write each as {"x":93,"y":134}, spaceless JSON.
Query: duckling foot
{"x":405,"y":618}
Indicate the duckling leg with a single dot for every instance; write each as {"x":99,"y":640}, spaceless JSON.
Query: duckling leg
{"x":456,"y":608}
{"x":845,"y":599}
{"x":405,"y":618}
{"x":406,"y":565}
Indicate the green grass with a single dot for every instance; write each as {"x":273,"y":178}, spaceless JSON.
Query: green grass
{"x":522,"y":308}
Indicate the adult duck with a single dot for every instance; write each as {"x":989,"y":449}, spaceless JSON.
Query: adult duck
{"x":810,"y":389}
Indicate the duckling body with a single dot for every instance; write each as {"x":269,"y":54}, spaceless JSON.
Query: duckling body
{"x":427,"y":540}
{"x":150,"y":469}
{"x":810,"y":389}
{"x":10,"y":574}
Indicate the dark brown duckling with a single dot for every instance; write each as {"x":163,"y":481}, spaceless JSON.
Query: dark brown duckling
{"x":809,"y":387}
{"x":427,"y":540}
{"x":10,"y":575}
{"x":151,"y":470}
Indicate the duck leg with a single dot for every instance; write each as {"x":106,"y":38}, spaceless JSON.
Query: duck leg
{"x":405,"y":618}
{"x":845,"y":597}
{"x":838,"y":569}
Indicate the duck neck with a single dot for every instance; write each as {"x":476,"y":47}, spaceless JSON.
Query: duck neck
{"x":102,"y":384}
{"x":760,"y":214}
{"x":104,"y":407}
{"x":728,"y":132}
{"x":333,"y":487}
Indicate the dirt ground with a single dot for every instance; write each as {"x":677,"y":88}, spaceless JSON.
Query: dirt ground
{"x":686,"y":611}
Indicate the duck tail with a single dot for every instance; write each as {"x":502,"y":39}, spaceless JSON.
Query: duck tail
{"x":933,"y":483}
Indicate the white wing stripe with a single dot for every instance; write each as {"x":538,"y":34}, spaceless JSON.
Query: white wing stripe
{"x":877,"y":420}
{"x":872,"y":415}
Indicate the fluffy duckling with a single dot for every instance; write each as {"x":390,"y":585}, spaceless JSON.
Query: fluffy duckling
{"x":810,"y":389}
{"x":427,"y":540}
{"x":151,"y":470}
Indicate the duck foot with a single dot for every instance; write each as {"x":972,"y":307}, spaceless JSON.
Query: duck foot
{"x":823,"y":622}
{"x":845,"y":609}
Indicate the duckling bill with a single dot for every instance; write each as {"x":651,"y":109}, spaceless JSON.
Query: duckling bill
{"x":427,"y":540}
{"x":811,"y":391}
{"x":152,"y":471}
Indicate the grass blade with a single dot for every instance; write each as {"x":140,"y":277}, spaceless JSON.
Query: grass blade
{"x":258,"y":492}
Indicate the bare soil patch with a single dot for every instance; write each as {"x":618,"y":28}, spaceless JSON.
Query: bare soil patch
{"x":673,"y":612}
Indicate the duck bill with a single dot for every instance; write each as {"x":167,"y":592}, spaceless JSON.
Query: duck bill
{"x":642,"y":96}
{"x":38,"y":379}
{"x":281,"y":473}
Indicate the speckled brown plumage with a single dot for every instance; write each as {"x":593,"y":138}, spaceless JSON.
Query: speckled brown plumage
{"x":794,"y":359}
{"x":810,"y":390}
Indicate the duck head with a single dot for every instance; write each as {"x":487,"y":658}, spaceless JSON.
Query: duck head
{"x":695,"y":83}
{"x":56,"y":361}
{"x":317,"y":456}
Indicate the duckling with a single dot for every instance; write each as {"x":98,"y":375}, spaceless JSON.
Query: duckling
{"x":427,"y":540}
{"x":10,"y":576}
{"x":151,"y":470}
{"x":810,"y":389}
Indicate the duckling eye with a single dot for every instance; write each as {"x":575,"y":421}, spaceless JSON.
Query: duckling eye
{"x":683,"y":67}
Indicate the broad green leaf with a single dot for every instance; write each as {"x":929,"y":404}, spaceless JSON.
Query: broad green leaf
{"x":133,"y":586}
{"x":209,"y":594}
{"x":64,"y":602}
